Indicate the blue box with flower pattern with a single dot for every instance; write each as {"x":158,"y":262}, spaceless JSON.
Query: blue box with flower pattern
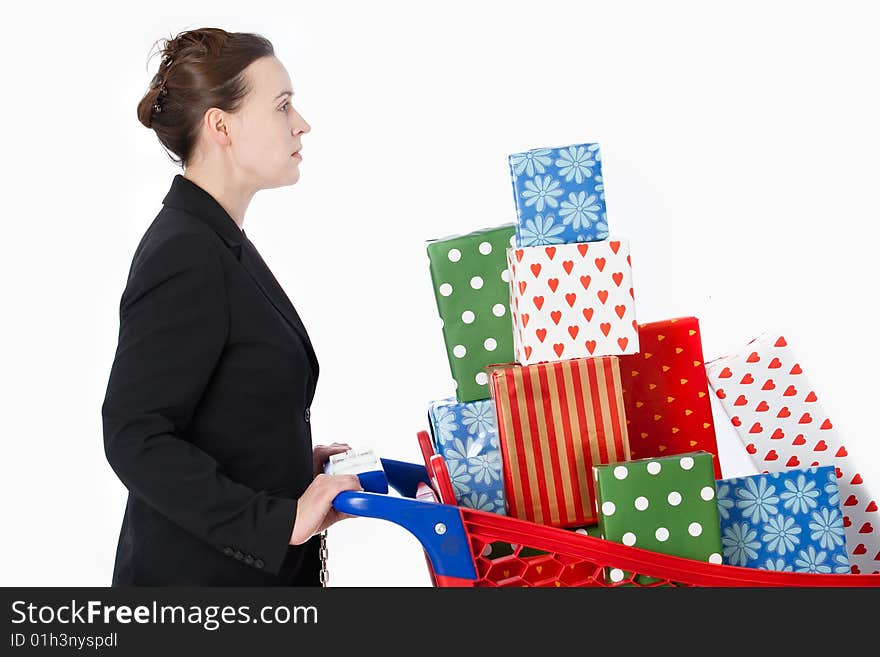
{"x":789,"y":521}
{"x":559,"y":195}
{"x":465,"y":434}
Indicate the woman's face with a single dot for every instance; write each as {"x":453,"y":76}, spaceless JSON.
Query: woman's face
{"x":266,"y":129}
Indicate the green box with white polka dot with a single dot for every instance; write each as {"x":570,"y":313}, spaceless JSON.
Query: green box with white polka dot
{"x":664,"y":504}
{"x":471,"y":284}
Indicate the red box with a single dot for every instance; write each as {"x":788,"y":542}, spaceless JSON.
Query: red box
{"x":555,"y":421}
{"x":665,"y":392}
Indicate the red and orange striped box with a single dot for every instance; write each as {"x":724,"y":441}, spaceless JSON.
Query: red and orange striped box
{"x":555,"y":421}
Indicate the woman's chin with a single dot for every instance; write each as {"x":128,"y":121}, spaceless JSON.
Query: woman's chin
{"x":290,"y":176}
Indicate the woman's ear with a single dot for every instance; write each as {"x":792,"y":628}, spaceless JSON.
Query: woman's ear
{"x":216,"y":126}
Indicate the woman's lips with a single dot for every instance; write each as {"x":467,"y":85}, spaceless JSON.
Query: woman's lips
{"x":296,"y":155}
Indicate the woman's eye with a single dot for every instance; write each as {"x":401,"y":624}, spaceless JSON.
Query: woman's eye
{"x":283,"y":107}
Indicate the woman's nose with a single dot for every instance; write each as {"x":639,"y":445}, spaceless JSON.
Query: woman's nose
{"x":301,"y":125}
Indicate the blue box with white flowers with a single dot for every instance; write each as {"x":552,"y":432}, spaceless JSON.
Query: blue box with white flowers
{"x":789,"y":521}
{"x":559,"y":195}
{"x":465,"y":434}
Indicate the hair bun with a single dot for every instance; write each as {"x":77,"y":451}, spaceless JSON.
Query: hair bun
{"x":199,"y":69}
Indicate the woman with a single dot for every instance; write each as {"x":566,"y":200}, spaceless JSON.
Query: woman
{"x":206,"y":415}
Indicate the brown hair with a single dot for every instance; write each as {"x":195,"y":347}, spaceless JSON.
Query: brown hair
{"x":200,"y":69}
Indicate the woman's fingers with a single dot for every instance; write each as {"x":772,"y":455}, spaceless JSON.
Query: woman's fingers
{"x":316,"y":503}
{"x":334,"y":445}
{"x":348,"y":482}
{"x":339,"y":483}
{"x":336,"y":484}
{"x":321,"y":453}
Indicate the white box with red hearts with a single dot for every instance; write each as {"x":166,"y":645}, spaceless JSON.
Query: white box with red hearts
{"x":572,"y":301}
{"x":778,"y":417}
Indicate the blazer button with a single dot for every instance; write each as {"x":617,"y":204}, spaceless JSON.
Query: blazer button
{"x":239,"y":555}
{"x":248,"y":559}
{"x":259,"y":563}
{"x":228,"y":551}
{"x":307,"y":414}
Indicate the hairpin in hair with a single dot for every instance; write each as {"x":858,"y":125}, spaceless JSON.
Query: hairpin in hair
{"x":162,"y":92}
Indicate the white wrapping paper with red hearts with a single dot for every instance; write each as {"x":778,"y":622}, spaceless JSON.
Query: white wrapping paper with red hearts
{"x":572,"y":301}
{"x":777,"y":415}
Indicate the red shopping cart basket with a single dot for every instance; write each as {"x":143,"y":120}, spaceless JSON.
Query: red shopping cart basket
{"x":466,"y":547}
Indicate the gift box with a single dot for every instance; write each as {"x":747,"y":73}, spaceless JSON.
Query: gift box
{"x":778,"y":416}
{"x":424,"y":493}
{"x":464,"y":434}
{"x":559,"y":195}
{"x":555,"y":421}
{"x":470,"y":278}
{"x":787,"y":521}
{"x":572,"y":301}
{"x":664,"y":504}
{"x":665,"y":394}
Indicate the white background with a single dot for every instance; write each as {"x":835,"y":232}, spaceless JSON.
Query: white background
{"x":740,"y":158}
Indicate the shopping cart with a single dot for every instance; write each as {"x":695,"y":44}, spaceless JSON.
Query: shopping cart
{"x":461,"y":544}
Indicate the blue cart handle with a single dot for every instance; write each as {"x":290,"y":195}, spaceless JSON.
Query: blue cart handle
{"x":438,"y":527}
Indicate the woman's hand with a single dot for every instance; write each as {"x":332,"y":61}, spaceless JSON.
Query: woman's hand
{"x":321,"y":453}
{"x":314,"y":509}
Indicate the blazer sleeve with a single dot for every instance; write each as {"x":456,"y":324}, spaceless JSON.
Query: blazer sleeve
{"x":174,"y":322}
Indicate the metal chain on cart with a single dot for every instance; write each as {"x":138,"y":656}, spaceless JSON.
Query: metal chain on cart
{"x":325,"y":576}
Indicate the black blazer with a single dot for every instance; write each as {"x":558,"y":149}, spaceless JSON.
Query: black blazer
{"x":206,"y":414}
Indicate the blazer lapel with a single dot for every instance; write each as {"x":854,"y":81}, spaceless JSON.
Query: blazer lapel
{"x":188,"y":196}
{"x":256,"y":267}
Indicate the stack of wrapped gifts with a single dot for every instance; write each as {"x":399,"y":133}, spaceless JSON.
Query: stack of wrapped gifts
{"x":570,"y":413}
